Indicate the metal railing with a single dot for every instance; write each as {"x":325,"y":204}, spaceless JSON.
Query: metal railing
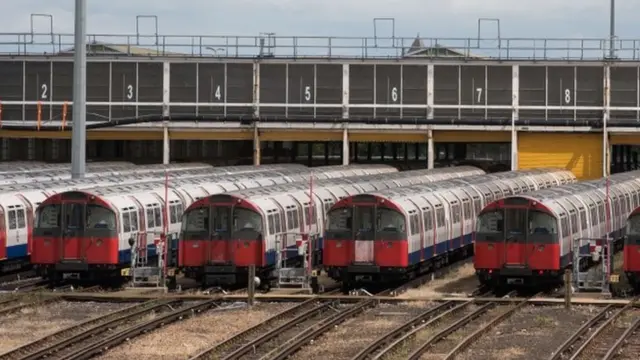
{"x":32,"y":43}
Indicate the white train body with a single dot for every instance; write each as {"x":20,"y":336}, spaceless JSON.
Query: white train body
{"x":279,"y":215}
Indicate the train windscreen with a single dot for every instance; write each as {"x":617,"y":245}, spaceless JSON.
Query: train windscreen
{"x":390,"y":225}
{"x":526,"y":224}
{"x":247,"y":224}
{"x":633,"y":230}
{"x":339,"y":223}
{"x":76,"y":217}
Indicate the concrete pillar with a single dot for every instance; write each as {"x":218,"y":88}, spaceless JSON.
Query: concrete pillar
{"x":515,"y":115}
{"x":606,"y":101}
{"x":430,"y":82}
{"x":256,"y":90}
{"x":31,"y":149}
{"x":345,"y":91}
{"x":430,"y":150}
{"x":4,"y":150}
{"x":256,"y":145}
{"x":166,"y":144}
{"x":345,"y":145}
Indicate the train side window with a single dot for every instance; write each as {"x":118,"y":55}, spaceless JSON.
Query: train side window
{"x":467,"y":210}
{"x":307,"y":219}
{"x":272,"y":227}
{"x":289,"y":219}
{"x":21,"y":223}
{"x":415,"y":228}
{"x":276,"y":218}
{"x":126,"y":222}
{"x":440,"y":217}
{"x":173,"y":210}
{"x":13,"y":222}
{"x":455,"y":210}
{"x":574,"y":223}
{"x":594,"y":216}
{"x":158,"y":215}
{"x":134,"y":220}
{"x":583,"y":219}
{"x":150,"y":219}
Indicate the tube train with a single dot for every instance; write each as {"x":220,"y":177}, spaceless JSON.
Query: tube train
{"x":529,"y":239}
{"x":19,"y":202}
{"x":223,"y":234}
{"x":25,"y":167}
{"x":88,"y":234}
{"x":631,"y":255}
{"x":93,"y":170}
{"x":395,"y":234}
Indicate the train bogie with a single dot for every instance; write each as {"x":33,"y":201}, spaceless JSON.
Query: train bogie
{"x":417,"y":228}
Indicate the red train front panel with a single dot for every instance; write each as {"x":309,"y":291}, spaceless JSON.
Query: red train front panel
{"x":516,"y":239}
{"x":221,"y":237}
{"x":631,"y":254}
{"x":75,"y":231}
{"x":364,"y":240}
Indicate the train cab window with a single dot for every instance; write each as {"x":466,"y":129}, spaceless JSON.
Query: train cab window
{"x":13,"y":221}
{"x":542,"y":224}
{"x":196,"y":220}
{"x":21,"y":220}
{"x":99,"y":217}
{"x":340,"y":219}
{"x":48,"y":217}
{"x":633,"y":225}
{"x":74,"y":216}
{"x":491,"y":222}
{"x":390,"y":221}
{"x":246,"y":220}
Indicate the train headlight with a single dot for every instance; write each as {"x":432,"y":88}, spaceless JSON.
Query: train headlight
{"x":47,"y":242}
{"x":541,"y":248}
{"x":389,"y":244}
{"x":98,"y":242}
{"x":490,"y":246}
{"x":338,"y":244}
{"x":246,"y":244}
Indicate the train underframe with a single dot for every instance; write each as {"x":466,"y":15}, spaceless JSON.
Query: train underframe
{"x":79,"y":271}
{"x":15,"y":265}
{"x":364,"y":275}
{"x":229,"y":275}
{"x":523,"y":276}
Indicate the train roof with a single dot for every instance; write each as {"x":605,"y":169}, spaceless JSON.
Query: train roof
{"x":384,"y":180}
{"x":552,"y":197}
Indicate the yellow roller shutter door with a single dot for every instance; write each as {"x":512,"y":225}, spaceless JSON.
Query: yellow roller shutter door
{"x":580,"y":153}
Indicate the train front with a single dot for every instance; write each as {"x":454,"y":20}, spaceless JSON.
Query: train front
{"x":631,"y":257}
{"x":75,"y":236}
{"x":221,"y":236}
{"x":517,"y":243}
{"x":365,"y":241}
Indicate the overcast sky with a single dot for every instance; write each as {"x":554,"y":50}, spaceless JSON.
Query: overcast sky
{"x":429,"y":18}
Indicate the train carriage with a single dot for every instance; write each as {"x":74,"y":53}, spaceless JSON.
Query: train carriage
{"x":530,"y":239}
{"x":223,"y":234}
{"x":397,"y":233}
{"x":631,"y":255}
{"x":88,"y":233}
{"x":19,"y":201}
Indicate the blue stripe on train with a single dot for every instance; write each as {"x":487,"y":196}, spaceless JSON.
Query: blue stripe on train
{"x":441,"y":248}
{"x":17,"y":251}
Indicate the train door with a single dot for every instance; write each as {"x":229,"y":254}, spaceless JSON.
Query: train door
{"x":3,"y":235}
{"x":73,"y":223}
{"x":515,"y":220}
{"x":365,"y":221}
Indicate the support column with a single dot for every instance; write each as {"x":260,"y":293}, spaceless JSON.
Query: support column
{"x":430,"y":150}
{"x":345,"y":91}
{"x":256,"y":90}
{"x":515,"y":115}
{"x":166,"y":98}
{"x":606,"y":158}
{"x":256,"y":145}
{"x":345,"y":145}
{"x":430,"y":82}
{"x":4,"y":150}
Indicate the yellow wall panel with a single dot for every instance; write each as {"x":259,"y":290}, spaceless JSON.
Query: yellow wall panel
{"x":385,"y":136}
{"x":580,"y":153}
{"x":624,"y":139}
{"x":210,"y":135}
{"x":472,"y":136}
{"x":309,"y":135}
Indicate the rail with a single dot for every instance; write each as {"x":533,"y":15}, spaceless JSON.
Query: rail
{"x":271,"y":46}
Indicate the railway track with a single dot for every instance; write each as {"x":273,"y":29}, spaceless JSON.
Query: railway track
{"x":79,"y":342}
{"x":422,"y":333}
{"x":22,"y":301}
{"x":28,"y":284}
{"x":596,"y":338}
{"x":627,"y":347}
